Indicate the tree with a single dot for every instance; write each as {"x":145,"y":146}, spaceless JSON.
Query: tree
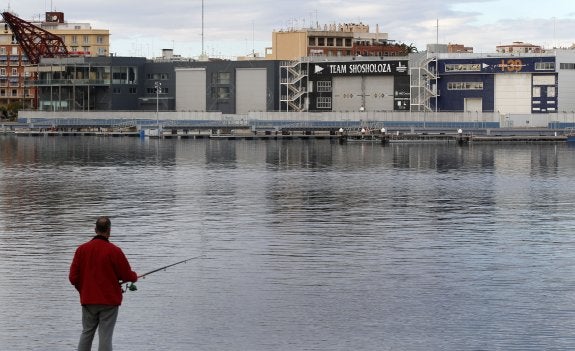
{"x":10,"y":111}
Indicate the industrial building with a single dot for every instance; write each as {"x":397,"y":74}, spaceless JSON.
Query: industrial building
{"x":331,"y":81}
{"x":490,"y":88}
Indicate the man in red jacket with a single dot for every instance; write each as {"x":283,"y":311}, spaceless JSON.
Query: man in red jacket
{"x":96,"y":271}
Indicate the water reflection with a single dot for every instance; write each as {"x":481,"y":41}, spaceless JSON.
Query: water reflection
{"x":309,"y":245}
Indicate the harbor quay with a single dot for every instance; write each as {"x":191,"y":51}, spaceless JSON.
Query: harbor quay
{"x":383,"y":126}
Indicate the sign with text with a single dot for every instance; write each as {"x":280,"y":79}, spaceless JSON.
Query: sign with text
{"x":359,"y":68}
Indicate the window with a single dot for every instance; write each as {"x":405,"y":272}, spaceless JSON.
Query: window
{"x":465,"y":86}
{"x":3,"y":72}
{"x":2,"y":51}
{"x":157,"y":76}
{"x":14,"y":72}
{"x":544,"y":66}
{"x":100,"y":39}
{"x":550,"y":92}
{"x":561,"y":65}
{"x":119,"y":76}
{"x":74,"y":39}
{"x":132,"y":90}
{"x":14,"y":92}
{"x":324,"y":86}
{"x":124,"y":75}
{"x":468,"y":67}
{"x":323,"y":102}
{"x":116,"y":90}
{"x":539,"y":79}
{"x":221,"y":93}
{"x":222,"y":78}
{"x":536,"y":92}
{"x":86,"y":39}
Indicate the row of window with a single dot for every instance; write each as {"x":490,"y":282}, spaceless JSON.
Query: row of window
{"x":339,"y":53}
{"x":85,"y":39}
{"x":220,"y":78}
{"x":13,"y":50}
{"x":163,"y":90}
{"x":323,"y":86}
{"x":14,"y":72}
{"x":550,"y":91}
{"x":465,"y":86}
{"x":220,"y":93}
{"x":134,"y":90}
{"x":512,"y":65}
{"x":567,"y":66}
{"x":463,"y":67}
{"x":4,"y":83}
{"x":14,"y":92}
{"x":158,"y":76}
{"x":321,"y":41}
{"x":323,"y":102}
{"x":544,"y":66}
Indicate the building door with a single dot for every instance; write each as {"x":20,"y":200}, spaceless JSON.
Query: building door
{"x":473,"y":105}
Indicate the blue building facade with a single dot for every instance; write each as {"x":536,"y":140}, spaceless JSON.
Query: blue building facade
{"x":490,"y":84}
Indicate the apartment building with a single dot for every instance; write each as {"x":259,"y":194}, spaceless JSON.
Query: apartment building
{"x":15,"y":80}
{"x":80,"y":38}
{"x":336,"y":40}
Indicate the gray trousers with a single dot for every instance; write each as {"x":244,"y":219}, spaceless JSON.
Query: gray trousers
{"x":101,"y":317}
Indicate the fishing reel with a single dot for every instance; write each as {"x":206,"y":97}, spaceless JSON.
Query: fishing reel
{"x":130,"y":287}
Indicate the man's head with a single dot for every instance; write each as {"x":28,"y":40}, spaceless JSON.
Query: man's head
{"x":103,"y":225}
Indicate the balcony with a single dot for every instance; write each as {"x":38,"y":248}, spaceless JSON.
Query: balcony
{"x":67,"y":82}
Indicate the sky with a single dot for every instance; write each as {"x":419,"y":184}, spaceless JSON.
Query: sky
{"x":234,"y":28}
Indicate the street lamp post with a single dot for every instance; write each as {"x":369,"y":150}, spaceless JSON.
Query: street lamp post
{"x":158,"y":86}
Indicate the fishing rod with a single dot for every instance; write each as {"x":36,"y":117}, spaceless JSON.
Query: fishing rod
{"x":132,"y":287}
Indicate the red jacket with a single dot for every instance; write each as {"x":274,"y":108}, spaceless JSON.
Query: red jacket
{"x":96,"y":270}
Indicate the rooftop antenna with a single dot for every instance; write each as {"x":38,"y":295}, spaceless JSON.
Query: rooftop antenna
{"x":203,"y":56}
{"x":554,"y":33}
{"x":436,"y":61}
{"x":202,"y":27}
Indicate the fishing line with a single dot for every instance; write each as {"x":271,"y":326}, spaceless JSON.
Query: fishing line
{"x":132,"y":287}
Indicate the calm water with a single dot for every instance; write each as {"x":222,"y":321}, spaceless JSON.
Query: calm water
{"x":308,"y":245}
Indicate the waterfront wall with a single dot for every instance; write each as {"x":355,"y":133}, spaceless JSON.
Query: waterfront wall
{"x":477,"y":119}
